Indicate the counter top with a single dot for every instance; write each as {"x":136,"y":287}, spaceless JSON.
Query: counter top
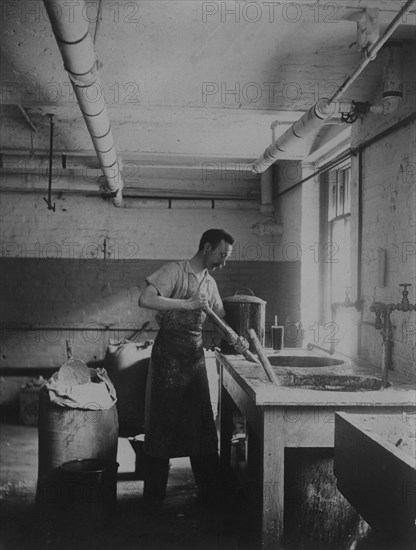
{"x":252,"y":379}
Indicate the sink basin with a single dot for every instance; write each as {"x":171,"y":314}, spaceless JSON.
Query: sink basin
{"x":375,"y":467}
{"x":305,"y":361}
{"x":329,"y":382}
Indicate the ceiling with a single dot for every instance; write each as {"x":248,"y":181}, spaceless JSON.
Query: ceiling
{"x":186,"y":82}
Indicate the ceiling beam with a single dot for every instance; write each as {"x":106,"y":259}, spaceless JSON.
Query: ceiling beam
{"x":143,"y":189}
{"x":21,"y":158}
{"x":287,"y":116}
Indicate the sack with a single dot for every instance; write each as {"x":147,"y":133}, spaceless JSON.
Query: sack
{"x":98,"y":394}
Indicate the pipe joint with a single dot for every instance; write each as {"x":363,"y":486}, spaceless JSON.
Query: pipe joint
{"x":267,"y":209}
{"x":324,"y":108}
{"x":83,"y":80}
{"x":269,"y":154}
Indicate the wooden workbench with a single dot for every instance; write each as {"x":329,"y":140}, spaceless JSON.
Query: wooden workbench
{"x":278,"y":417}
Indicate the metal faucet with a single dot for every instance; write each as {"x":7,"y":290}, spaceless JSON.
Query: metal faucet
{"x":404,"y":304}
{"x":331,"y":349}
{"x":383,"y":323}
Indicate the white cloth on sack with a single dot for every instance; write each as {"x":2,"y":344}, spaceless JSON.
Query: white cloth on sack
{"x":98,"y":394}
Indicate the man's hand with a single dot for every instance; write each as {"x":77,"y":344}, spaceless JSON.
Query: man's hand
{"x":241,"y":344}
{"x":198,"y":301}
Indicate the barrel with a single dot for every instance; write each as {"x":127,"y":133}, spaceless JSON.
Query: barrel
{"x":67,"y":434}
{"x":243,"y":312}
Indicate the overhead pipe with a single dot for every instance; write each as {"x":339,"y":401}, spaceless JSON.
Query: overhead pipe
{"x":372,"y":52}
{"x":77,"y":49}
{"x":311,"y":122}
{"x":269,"y":225}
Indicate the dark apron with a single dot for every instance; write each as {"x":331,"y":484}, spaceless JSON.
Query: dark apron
{"x":179,"y":419}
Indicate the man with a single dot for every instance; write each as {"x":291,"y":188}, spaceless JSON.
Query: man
{"x":179,"y":419}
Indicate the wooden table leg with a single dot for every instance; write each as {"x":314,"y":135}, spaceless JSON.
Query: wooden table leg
{"x":226,"y":409}
{"x":254,"y":466}
{"x":272,"y":478}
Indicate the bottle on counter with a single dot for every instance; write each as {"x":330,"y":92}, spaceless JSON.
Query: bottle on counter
{"x":278,"y":333}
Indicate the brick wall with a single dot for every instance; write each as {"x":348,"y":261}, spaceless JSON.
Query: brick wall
{"x":46,"y":302}
{"x":71,"y":273}
{"x":389,"y":204}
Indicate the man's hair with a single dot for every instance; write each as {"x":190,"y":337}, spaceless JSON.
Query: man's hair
{"x":214,"y":238}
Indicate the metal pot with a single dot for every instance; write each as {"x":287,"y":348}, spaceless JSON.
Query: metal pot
{"x":243,"y":312}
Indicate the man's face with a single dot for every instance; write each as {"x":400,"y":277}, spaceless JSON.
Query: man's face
{"x":216,"y":258}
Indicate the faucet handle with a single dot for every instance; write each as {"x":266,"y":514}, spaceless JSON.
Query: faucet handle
{"x":404,"y":304}
{"x":405,"y":285}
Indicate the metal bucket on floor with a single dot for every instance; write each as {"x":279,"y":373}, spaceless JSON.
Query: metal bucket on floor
{"x":89,"y":494}
{"x":243,"y":312}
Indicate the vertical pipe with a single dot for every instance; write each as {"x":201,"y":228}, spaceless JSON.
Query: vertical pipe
{"x":386,"y":348}
{"x":359,"y":243}
{"x":392,"y":77}
{"x":49,"y":199}
{"x":266,"y":193}
{"x":372,"y":52}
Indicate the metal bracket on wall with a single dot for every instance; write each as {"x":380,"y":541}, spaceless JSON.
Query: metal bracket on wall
{"x":368,"y":28}
{"x":49,"y":199}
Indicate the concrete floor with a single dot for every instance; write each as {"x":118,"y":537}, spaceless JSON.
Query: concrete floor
{"x":181,"y":524}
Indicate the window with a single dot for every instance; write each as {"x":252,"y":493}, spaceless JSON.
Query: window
{"x":338,"y":227}
{"x":339,"y":213}
{"x":339,"y":200}
{"x":339,"y":323}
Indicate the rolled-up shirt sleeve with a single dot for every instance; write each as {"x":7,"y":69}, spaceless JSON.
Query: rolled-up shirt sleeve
{"x":165,"y":279}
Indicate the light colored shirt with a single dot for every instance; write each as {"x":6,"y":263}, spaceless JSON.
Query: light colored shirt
{"x":178,"y":280}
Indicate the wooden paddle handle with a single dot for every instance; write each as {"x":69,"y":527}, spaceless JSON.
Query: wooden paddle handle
{"x":262,"y":356}
{"x":229,"y":334}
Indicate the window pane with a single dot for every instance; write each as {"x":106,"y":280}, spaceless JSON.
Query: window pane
{"x":332,"y":200}
{"x":347,"y":191}
{"x":340,"y":259}
{"x":340,"y":193}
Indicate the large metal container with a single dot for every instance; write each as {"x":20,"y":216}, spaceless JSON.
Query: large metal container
{"x":242,"y":312}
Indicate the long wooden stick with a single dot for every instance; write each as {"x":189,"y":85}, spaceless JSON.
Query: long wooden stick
{"x":262,"y":356}
{"x":229,"y":334}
